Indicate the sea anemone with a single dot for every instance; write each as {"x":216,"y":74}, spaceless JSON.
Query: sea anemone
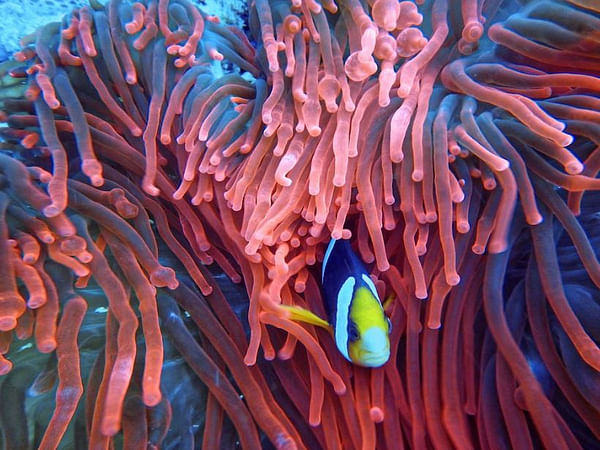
{"x":158,"y":158}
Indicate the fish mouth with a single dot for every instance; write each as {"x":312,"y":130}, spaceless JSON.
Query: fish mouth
{"x":377,"y":360}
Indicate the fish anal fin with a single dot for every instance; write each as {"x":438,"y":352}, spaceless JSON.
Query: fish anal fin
{"x":299,"y":314}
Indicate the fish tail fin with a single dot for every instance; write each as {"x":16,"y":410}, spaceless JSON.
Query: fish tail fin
{"x":304,"y":315}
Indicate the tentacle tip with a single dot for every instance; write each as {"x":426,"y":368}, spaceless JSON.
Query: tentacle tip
{"x":452,"y":279}
{"x":339,"y":180}
{"x":332,"y":107}
{"x":376,"y":414}
{"x":52,"y":210}
{"x":396,"y":157}
{"x":152,"y":399}
{"x":314,"y":131}
{"x":131,"y":79}
{"x":285,"y":442}
{"x":7,"y":323}
{"x":383,"y":266}
{"x":574,"y":168}
{"x":417,"y":175}
{"x":47,"y":345}
{"x":566,"y":140}
{"x":150,"y":189}
{"x":434,"y":324}
{"x":110,"y":426}
{"x":472,"y":31}
{"x":431,"y":217}
{"x":403,"y":90}
{"x":340,"y":389}
{"x":421,"y":294}
{"x":97,"y":180}
{"x":497,"y":247}
{"x":53,"y":103}
{"x":5,"y":367}
{"x":206,"y":290}
{"x":478,"y":249}
{"x":284,"y":181}
{"x":35,"y":302}
{"x":535,"y":219}
{"x":314,"y":422}
{"x":336,"y":234}
{"x":463,"y":227}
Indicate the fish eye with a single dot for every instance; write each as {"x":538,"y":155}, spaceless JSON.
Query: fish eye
{"x":389,"y":322}
{"x":353,"y":334}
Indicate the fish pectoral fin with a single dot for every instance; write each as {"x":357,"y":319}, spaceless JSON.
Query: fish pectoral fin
{"x":387,"y":304}
{"x":304,"y":315}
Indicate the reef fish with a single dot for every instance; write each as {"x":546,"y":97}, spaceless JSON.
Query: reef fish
{"x":356,"y":316}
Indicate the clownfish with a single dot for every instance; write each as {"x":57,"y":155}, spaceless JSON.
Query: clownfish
{"x":356,"y":317}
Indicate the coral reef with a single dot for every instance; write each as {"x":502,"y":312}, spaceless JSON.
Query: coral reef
{"x":451,"y":141}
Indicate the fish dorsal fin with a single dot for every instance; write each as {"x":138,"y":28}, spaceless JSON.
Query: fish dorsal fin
{"x":327,"y":255}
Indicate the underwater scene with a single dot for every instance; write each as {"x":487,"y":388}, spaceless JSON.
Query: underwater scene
{"x":300,"y":224}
